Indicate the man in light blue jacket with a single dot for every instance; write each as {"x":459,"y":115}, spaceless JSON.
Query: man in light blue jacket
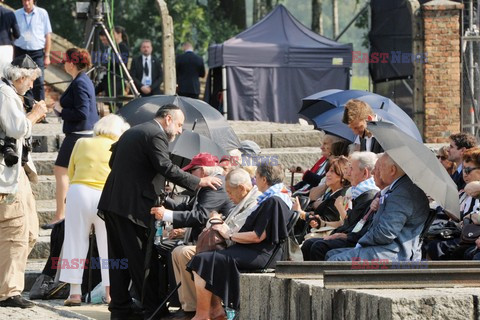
{"x":398,"y":223}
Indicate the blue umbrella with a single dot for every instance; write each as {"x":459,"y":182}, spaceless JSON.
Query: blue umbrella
{"x":334,"y":100}
{"x":331,"y":122}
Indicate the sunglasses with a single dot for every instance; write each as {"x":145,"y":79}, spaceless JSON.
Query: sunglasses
{"x":468,"y":170}
{"x":442,"y":158}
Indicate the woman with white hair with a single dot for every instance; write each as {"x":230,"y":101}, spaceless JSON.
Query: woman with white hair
{"x":88,"y":170}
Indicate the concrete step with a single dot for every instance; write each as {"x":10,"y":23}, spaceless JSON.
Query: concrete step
{"x":41,"y":250}
{"x":33,"y":270}
{"x":45,"y":188}
{"x":45,"y":210}
{"x":47,"y":136}
{"x":44,"y":162}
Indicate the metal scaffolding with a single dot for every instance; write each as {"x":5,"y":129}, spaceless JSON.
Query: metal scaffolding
{"x":470,"y":59}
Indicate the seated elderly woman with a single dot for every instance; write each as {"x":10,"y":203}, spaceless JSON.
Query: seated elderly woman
{"x":363,"y":192}
{"x":88,"y":170}
{"x":216,"y":273}
{"x":326,"y":213}
{"x":452,"y":249}
{"x":311,"y":178}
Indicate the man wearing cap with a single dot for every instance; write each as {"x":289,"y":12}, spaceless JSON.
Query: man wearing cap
{"x":140,"y":165}
{"x":18,"y":215}
{"x":244,"y":195}
{"x":34,"y":40}
{"x":193,"y":215}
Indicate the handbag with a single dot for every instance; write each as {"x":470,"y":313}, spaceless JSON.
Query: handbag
{"x":470,"y":232}
{"x":210,"y":240}
{"x":291,"y":250}
{"x":47,"y":288}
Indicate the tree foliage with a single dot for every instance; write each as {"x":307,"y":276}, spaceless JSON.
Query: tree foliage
{"x":201,"y":22}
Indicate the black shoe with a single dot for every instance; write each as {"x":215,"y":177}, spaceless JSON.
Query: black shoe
{"x":17,"y":302}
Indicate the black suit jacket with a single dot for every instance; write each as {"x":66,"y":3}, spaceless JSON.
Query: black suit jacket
{"x":376,"y":147}
{"x":360,"y":207}
{"x":457,"y":177}
{"x":9,"y":30}
{"x":196,"y":213}
{"x":136,"y":71}
{"x":139,"y":155}
{"x":189,"y":68}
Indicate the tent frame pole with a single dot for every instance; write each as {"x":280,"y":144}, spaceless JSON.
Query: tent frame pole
{"x":224,"y":92}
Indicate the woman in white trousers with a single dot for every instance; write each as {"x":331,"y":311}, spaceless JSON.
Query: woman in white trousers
{"x":88,"y":170}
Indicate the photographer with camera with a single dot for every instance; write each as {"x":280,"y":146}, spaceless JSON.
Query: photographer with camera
{"x":18,"y":215}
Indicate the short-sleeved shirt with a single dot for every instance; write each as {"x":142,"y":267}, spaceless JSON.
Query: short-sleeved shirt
{"x":33,"y":28}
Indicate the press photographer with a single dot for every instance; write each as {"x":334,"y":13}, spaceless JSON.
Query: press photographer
{"x":18,"y":216}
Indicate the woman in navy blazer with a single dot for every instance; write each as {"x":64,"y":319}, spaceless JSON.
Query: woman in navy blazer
{"x":78,"y":110}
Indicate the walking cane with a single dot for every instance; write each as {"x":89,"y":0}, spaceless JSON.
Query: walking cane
{"x":88,"y":298}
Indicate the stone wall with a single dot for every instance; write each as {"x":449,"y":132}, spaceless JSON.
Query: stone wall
{"x":263,"y":296}
{"x":441,"y":80}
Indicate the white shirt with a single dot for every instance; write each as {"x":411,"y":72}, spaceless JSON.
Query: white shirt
{"x":147,"y":79}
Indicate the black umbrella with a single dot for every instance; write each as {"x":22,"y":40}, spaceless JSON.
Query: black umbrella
{"x":206,"y":119}
{"x":419,"y":163}
{"x":189,"y":144}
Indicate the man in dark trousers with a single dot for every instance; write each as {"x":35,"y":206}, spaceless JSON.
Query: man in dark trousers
{"x":35,"y":40}
{"x":189,"y":68}
{"x":139,"y":163}
{"x":8,"y":32}
{"x":146,"y":71}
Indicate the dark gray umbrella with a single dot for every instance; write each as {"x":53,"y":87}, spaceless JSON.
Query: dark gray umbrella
{"x":419,"y":163}
{"x":189,"y":144}
{"x":199,"y":115}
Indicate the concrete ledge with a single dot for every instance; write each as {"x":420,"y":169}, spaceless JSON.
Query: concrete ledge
{"x":307,"y":299}
{"x":41,"y":249}
{"x":45,"y":188}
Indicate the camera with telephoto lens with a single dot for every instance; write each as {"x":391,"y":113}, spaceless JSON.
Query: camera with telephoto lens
{"x":8,"y":147}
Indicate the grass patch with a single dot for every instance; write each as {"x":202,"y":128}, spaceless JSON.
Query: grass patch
{"x":359,"y":83}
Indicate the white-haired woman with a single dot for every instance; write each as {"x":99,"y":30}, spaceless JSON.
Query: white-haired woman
{"x":88,"y":170}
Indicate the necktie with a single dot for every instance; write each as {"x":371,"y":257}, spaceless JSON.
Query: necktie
{"x":145,"y":67}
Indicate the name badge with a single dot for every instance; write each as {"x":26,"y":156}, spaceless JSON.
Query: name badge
{"x":28,"y":36}
{"x":148,"y":82}
{"x":358,"y":226}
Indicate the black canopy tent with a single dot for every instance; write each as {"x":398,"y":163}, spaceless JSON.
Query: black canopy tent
{"x":271,"y":66}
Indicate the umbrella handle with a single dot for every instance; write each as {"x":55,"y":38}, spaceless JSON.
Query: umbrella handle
{"x":291,"y":179}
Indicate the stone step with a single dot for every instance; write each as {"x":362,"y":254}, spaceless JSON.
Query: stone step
{"x":33,"y":270}
{"x":45,"y":210}
{"x":45,"y":188}
{"x":41,"y":249}
{"x":44,"y":162}
{"x":47,"y":137}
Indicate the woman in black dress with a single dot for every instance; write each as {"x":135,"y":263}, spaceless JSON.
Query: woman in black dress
{"x":216,"y":273}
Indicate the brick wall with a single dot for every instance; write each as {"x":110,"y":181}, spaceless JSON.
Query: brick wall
{"x":441,"y":80}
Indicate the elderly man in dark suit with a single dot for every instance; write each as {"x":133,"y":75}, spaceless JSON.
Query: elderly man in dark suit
{"x":396,"y":227}
{"x":189,"y":68}
{"x":146,"y":71}
{"x":140,"y":164}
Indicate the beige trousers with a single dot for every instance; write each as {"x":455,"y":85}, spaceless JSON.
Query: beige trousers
{"x":181,"y":256}
{"x":18,"y":233}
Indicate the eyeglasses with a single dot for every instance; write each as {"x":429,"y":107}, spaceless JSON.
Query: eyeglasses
{"x":468,"y":170}
{"x":442,"y":158}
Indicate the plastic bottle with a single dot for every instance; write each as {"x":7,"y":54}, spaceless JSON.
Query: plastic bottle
{"x":230,"y":313}
{"x":158,"y":233}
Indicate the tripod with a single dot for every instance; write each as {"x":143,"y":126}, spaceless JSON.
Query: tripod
{"x":99,"y":25}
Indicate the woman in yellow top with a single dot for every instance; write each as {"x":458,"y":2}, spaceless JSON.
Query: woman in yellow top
{"x":88,"y":170}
